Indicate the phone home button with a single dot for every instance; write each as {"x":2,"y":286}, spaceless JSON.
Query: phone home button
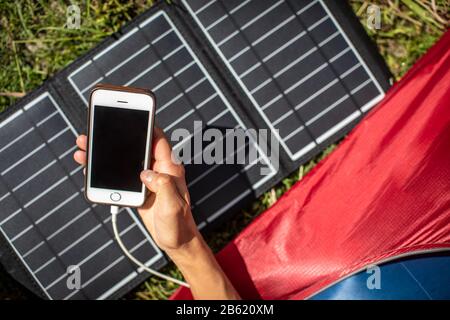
{"x":115,"y":196}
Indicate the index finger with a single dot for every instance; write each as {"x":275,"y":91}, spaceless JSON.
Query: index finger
{"x":82,"y":142}
{"x":161,"y":149}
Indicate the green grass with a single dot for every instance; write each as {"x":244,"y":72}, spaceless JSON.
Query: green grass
{"x":34,"y":45}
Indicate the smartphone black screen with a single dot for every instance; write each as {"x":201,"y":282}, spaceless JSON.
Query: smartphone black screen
{"x":118,"y":148}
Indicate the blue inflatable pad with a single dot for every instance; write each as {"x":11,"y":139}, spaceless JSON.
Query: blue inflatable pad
{"x":415,"y":278}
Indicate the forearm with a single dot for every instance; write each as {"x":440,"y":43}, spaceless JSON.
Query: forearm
{"x":201,"y":270}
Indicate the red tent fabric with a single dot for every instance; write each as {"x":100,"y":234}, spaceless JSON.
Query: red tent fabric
{"x":384,"y":193}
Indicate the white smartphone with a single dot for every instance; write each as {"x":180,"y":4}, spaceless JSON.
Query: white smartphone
{"x":120,"y":127}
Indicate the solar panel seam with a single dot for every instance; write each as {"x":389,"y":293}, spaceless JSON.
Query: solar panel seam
{"x":293,"y":133}
{"x":14,"y":189}
{"x":10,"y":117}
{"x":79,"y":239}
{"x":161,"y":36}
{"x":216,"y":22}
{"x":334,"y":104}
{"x":121,"y":39}
{"x":193,"y":86}
{"x":225,"y":40}
{"x":317,"y":93}
{"x":293,"y":63}
{"x":200,"y":177}
{"x":284,"y":46}
{"x":46,"y":191}
{"x":22,"y":160}
{"x":220,"y":115}
{"x":184,"y":116}
{"x":262,"y":14}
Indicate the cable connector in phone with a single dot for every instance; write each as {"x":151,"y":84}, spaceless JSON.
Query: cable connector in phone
{"x":114,"y":209}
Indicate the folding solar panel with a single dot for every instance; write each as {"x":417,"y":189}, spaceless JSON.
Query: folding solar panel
{"x":297,"y":67}
{"x":304,"y":68}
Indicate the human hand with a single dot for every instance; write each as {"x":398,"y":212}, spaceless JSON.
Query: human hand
{"x":166,"y":212}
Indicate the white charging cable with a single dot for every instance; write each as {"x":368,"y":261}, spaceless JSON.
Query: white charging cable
{"x":114,"y":212}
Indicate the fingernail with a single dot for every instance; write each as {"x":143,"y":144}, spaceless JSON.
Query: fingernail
{"x":147,"y":175}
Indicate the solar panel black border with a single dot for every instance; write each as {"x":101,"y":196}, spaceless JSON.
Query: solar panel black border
{"x":70,"y":102}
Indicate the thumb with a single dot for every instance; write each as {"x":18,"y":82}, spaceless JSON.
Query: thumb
{"x":158,"y":183}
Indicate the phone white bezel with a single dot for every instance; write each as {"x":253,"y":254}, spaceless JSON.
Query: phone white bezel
{"x":122,"y":100}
